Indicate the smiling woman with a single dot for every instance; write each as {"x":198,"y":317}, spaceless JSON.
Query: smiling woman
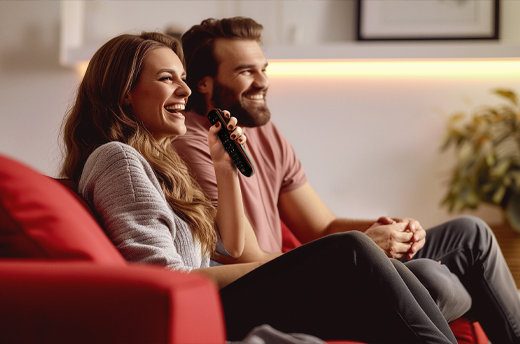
{"x":118,"y":132}
{"x":160,"y":93}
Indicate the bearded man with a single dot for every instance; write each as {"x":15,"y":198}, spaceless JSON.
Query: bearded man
{"x":226,"y":68}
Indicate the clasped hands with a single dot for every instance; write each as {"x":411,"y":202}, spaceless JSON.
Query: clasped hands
{"x":398,"y":238}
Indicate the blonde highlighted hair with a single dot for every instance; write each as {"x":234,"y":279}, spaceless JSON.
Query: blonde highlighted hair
{"x":99,"y":115}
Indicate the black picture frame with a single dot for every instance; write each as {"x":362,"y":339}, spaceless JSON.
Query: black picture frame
{"x":383,"y":20}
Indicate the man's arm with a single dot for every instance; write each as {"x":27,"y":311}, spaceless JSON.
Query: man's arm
{"x":309,"y":219}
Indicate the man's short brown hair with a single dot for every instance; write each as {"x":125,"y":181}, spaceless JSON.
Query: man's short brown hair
{"x":198,"y":45}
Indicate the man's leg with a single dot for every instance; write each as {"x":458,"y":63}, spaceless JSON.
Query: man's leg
{"x":444,"y":287}
{"x":469,"y":249}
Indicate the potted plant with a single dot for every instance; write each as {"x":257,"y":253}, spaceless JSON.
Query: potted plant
{"x":487,"y":146}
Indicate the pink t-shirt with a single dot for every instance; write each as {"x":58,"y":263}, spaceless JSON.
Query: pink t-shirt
{"x":277,"y":170}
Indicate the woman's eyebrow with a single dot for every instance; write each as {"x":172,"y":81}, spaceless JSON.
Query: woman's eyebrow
{"x":166,"y":70}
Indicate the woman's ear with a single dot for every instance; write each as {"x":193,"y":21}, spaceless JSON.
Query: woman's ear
{"x":205,"y":85}
{"x":127,"y":100}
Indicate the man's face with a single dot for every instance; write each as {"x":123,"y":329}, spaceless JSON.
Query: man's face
{"x":241,"y":83}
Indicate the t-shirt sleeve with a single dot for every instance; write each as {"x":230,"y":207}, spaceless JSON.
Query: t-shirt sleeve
{"x":193,"y":149}
{"x":134,"y":211}
{"x":294,"y":175}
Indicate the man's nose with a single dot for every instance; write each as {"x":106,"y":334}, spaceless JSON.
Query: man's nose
{"x":261,"y":81}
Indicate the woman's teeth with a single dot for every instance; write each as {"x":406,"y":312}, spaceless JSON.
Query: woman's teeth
{"x":174,"y":108}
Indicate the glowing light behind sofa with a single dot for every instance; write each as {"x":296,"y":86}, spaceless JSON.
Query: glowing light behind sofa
{"x":437,"y":69}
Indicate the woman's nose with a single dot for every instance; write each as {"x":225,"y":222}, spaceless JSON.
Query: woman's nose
{"x":183,"y":90}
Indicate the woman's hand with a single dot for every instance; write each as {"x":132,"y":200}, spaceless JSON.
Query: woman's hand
{"x":219,"y":156}
{"x":230,"y":216}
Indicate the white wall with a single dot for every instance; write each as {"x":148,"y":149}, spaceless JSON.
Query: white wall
{"x":375,"y":143}
{"x":384,"y":135}
{"x":34,"y":89}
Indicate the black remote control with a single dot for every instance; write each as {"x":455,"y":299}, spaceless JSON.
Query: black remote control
{"x":235,"y":150}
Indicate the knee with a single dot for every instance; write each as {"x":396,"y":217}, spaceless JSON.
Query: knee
{"x":470,"y":222}
{"x":475,"y":230}
{"x":353,"y":239}
{"x":444,"y":287}
{"x":433,"y":275}
{"x":357,"y":244}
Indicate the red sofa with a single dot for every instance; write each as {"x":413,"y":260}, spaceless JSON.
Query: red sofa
{"x":62,"y":280}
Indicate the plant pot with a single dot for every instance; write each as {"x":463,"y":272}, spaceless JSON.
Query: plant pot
{"x":513,"y":212}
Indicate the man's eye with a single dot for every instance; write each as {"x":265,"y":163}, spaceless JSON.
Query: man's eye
{"x":246,"y":72}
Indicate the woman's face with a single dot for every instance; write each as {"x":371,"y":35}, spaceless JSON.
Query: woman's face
{"x":160,"y":94}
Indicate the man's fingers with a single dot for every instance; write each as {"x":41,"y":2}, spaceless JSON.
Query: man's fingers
{"x":385,"y":220}
{"x":398,"y":250}
{"x":402,"y":237}
{"x":420,"y":234}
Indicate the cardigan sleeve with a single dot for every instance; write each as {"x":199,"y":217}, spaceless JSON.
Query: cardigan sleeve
{"x":124,"y":191}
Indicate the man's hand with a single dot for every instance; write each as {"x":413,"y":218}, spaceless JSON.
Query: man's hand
{"x":398,"y":238}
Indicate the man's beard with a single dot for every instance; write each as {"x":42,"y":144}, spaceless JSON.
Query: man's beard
{"x":247,"y":116}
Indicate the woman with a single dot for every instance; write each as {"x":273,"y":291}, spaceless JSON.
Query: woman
{"x":117,"y":138}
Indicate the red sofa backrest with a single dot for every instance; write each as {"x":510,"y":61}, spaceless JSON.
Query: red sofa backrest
{"x":41,"y":219}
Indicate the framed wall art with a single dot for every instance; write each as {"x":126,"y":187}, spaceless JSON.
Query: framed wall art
{"x":394,"y":20}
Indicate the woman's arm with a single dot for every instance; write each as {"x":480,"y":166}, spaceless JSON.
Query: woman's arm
{"x":225,"y":274}
{"x":230,"y":216}
{"x":252,"y":251}
{"x":121,"y":186}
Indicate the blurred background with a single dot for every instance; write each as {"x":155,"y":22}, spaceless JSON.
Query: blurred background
{"x":367,"y":119}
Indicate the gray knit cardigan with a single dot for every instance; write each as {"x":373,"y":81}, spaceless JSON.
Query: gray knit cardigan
{"x":121,"y":186}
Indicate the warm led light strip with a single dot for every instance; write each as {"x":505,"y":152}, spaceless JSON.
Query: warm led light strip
{"x":467,"y":69}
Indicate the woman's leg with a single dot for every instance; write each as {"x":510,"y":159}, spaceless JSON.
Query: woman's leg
{"x":338,"y":287}
{"x":444,"y":287}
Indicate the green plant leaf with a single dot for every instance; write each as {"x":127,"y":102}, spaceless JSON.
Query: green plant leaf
{"x":487,"y":146}
{"x":499,"y":194}
{"x":500,"y":169}
{"x":515,"y":175}
{"x":490,"y":159}
{"x":507,"y":94}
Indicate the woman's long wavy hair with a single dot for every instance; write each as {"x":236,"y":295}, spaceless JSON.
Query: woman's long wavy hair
{"x":99,"y":115}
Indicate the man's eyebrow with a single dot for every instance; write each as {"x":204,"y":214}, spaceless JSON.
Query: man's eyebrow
{"x":247,"y":66}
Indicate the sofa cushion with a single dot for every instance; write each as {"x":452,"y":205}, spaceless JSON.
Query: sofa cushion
{"x":40,"y":218}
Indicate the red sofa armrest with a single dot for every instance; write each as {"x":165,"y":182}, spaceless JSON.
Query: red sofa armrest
{"x":79,"y":302}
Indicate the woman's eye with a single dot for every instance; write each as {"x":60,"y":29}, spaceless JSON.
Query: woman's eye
{"x":164,"y":78}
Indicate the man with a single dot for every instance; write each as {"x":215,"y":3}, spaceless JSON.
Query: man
{"x":227,"y":69}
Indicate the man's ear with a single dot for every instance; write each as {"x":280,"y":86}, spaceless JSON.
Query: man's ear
{"x":205,"y":85}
